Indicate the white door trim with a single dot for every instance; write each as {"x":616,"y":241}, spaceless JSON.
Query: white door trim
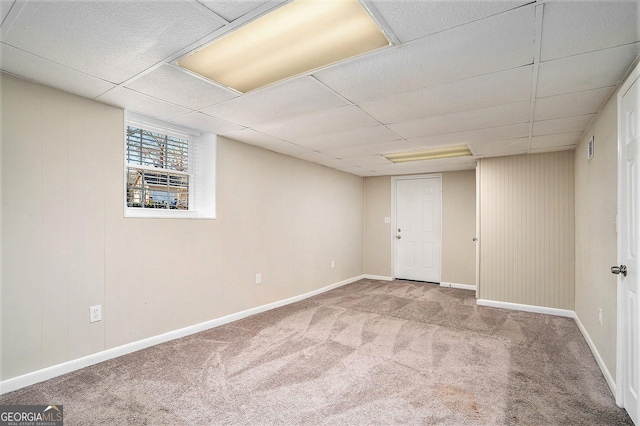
{"x":394,"y":225}
{"x":621,"y":324}
{"x":477,"y":242}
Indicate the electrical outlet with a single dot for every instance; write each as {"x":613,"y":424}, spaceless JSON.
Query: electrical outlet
{"x":258,"y":278}
{"x":600,"y":315}
{"x":95,"y":313}
{"x":333,"y":264}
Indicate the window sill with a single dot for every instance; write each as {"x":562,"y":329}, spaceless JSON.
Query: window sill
{"x":164,"y":214}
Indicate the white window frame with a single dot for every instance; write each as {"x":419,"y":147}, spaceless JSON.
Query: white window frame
{"x":202,"y":170}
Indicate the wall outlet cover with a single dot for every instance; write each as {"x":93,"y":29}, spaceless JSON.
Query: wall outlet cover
{"x":95,"y":313}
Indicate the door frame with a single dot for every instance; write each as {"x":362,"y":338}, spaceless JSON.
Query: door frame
{"x":478,"y":237}
{"x":394,"y":225}
{"x":621,"y":324}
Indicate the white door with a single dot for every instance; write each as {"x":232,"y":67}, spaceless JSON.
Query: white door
{"x":629,"y":270}
{"x":418,"y":230}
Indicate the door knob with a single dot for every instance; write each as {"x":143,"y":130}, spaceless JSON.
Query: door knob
{"x":398,"y":236}
{"x":622,"y":269}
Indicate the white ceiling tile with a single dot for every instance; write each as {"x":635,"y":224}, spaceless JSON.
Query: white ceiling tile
{"x":173,"y":85}
{"x":507,"y":153}
{"x":463,"y":75}
{"x":32,"y":67}
{"x":490,"y":45}
{"x":586,"y":71}
{"x":278,"y":102}
{"x":495,"y":116}
{"x":111,"y":40}
{"x":232,"y":10}
{"x":478,"y":92}
{"x":413,"y":19}
{"x":570,"y":104}
{"x":370,"y":149}
{"x":334,"y":163}
{"x":512,"y":131}
{"x":505,"y":147}
{"x":355,"y":137}
{"x":367,"y":161}
{"x":313,"y":156}
{"x":358,"y":171}
{"x":324,"y":122}
{"x":206,"y":123}
{"x":571,"y":28}
{"x":555,"y":141}
{"x":271,"y":143}
{"x":553,"y":149}
{"x":562,"y":125}
{"x":286,"y":148}
{"x":252,"y":137}
{"x":373,"y":75}
{"x":128,"y":99}
{"x":5,"y":7}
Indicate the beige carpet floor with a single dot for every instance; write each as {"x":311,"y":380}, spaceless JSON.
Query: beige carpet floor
{"x":368,"y":353}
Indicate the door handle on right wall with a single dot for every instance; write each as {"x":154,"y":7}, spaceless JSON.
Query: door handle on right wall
{"x":622,"y":269}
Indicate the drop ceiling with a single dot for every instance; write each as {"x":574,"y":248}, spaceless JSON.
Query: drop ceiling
{"x":503,"y":77}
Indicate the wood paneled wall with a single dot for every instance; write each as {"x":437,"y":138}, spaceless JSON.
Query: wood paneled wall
{"x":527,"y":229}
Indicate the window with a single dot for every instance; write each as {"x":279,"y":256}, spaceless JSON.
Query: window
{"x":169,"y":170}
{"x":157,"y":170}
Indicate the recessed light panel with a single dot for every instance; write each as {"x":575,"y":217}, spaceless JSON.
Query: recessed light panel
{"x":299,"y":37}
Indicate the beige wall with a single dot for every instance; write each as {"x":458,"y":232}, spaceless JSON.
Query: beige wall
{"x":377,"y":237}
{"x":66,"y":245}
{"x":458,"y":227}
{"x":527,"y":229}
{"x":596,"y":236}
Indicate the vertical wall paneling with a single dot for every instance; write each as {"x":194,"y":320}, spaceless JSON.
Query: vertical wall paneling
{"x":66,"y":245}
{"x":527,"y":229}
{"x":459,"y":227}
{"x":22,"y":241}
{"x":596,"y":183}
{"x":76,"y":220}
{"x":94,"y":177}
{"x":55,"y":202}
{"x":377,"y":233}
{"x":113,"y":196}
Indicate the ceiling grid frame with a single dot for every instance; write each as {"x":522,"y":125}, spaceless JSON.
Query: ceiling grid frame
{"x":447,"y":104}
{"x":536,"y":67}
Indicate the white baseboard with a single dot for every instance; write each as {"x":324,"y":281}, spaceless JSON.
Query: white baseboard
{"x":527,"y":308}
{"x":377,"y":277}
{"x":34,"y":377}
{"x":460,"y":286}
{"x":563,"y":313}
{"x":605,"y":371}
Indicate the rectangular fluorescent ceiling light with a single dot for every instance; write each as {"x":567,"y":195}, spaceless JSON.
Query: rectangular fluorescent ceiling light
{"x":299,"y":37}
{"x":430,"y":154}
